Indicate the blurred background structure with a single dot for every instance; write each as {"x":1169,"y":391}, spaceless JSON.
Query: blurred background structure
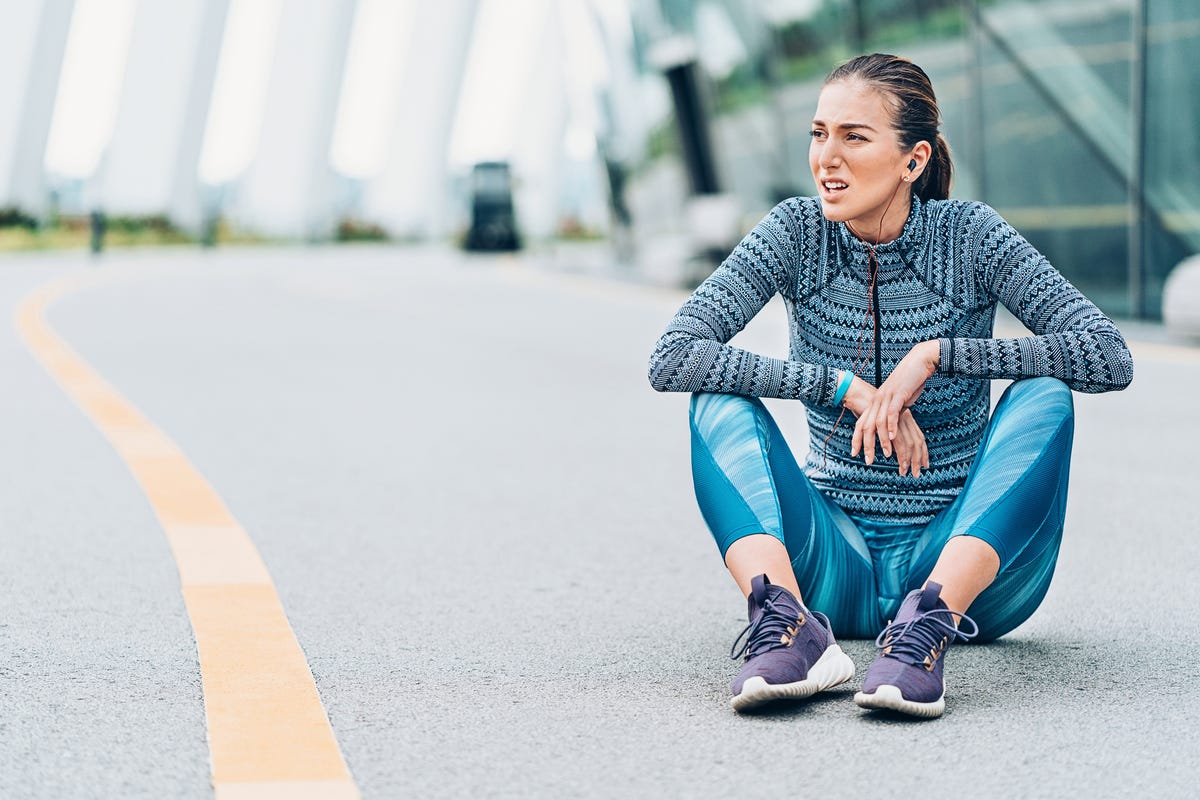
{"x":663,"y":127}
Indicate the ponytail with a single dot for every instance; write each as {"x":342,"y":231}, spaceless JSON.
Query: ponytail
{"x":934,"y":183}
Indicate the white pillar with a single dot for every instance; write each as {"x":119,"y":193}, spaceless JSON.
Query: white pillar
{"x":154,"y":153}
{"x":33,"y":40}
{"x":288,"y":189}
{"x":411,"y":196}
{"x":625,"y":126}
{"x":538,"y":157}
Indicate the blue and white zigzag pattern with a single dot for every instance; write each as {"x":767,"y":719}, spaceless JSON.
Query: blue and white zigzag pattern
{"x":941,"y":279}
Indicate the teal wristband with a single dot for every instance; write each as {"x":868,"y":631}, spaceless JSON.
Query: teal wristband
{"x":843,"y":387}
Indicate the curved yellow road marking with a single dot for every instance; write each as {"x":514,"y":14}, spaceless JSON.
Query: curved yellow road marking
{"x":268,"y":733}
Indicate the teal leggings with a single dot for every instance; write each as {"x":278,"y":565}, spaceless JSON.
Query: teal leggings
{"x":857,"y":571}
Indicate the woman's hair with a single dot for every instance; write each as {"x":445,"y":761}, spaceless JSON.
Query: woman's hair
{"x":914,"y":112}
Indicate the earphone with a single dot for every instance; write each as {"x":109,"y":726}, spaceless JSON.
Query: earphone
{"x":912,"y":164}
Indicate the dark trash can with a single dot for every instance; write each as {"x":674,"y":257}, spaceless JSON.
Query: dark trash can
{"x":493,"y":223}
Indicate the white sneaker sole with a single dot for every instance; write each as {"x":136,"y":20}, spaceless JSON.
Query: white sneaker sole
{"x":889,"y":697}
{"x":833,"y":668}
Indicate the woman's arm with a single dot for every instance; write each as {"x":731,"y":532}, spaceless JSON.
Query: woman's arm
{"x":1073,"y":340}
{"x":693,"y":354}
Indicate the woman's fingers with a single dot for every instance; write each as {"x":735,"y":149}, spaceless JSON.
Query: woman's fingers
{"x":919,"y":446}
{"x":901,"y":389}
{"x":880,"y":407}
{"x":895,"y":407}
{"x":887,"y":418}
{"x":915,"y":454}
{"x":903,"y":445}
{"x":867,"y":439}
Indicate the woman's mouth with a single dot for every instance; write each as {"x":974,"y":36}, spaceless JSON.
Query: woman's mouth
{"x":833,"y":188}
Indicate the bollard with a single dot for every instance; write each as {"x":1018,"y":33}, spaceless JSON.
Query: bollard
{"x":99,"y":223}
{"x":208,"y":231}
{"x":1181,"y":299}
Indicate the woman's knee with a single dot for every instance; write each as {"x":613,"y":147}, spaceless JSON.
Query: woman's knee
{"x":1049,"y":396}
{"x":1034,"y":416}
{"x":708,"y":411}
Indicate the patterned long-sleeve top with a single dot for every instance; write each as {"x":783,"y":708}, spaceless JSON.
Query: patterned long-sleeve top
{"x":941,"y":279}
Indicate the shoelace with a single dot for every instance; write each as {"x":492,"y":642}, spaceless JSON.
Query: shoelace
{"x":765,"y":633}
{"x":914,"y":642}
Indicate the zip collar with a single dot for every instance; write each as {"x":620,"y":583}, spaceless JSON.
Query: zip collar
{"x":893,"y":256}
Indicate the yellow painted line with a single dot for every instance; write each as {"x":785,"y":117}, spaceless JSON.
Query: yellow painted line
{"x":268,"y":733}
{"x":1175,"y":353}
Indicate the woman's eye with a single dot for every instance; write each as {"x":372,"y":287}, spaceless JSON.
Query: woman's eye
{"x":816,"y":134}
{"x":854,"y":137}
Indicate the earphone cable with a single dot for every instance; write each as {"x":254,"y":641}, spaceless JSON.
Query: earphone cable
{"x":860,"y":360}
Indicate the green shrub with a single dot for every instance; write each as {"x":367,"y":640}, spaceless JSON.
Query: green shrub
{"x":13,"y":217}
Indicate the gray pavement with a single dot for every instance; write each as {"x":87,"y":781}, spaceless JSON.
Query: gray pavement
{"x":479,"y":519}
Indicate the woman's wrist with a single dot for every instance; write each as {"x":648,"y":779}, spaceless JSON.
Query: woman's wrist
{"x":843,"y":387}
{"x":933,"y":353}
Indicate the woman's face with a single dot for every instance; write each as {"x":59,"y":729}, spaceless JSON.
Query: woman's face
{"x":857,"y":161}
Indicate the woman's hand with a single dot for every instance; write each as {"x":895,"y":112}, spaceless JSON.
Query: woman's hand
{"x":883,"y":418}
{"x":912,"y":452}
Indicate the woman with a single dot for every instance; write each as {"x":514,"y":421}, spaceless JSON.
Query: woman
{"x":915,"y":517}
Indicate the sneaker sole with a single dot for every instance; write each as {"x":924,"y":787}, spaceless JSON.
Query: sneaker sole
{"x":889,"y":697}
{"x":833,"y":668}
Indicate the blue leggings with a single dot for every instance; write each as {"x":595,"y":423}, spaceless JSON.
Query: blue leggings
{"x":857,"y":571}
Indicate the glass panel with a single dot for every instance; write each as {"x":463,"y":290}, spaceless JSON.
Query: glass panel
{"x":1172,"y":155}
{"x":1056,"y":140}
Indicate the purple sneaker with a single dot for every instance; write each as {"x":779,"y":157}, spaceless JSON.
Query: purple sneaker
{"x":907,"y":675}
{"x":790,"y":651}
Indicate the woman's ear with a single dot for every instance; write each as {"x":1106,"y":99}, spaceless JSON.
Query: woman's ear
{"x":918,"y":157}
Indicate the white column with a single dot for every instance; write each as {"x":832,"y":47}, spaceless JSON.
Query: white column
{"x":538,"y":157}
{"x":288,"y":189}
{"x":411,"y":196}
{"x":152,"y":159}
{"x":625,"y":120}
{"x":33,"y":40}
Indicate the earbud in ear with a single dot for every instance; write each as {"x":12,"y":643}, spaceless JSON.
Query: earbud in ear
{"x":912,"y":164}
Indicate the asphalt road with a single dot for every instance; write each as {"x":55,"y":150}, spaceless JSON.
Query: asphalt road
{"x":479,"y":519}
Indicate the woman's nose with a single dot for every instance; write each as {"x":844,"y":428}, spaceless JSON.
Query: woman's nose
{"x":829,"y":155}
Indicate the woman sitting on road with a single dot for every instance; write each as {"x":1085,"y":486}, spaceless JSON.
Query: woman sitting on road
{"x":917,"y":516}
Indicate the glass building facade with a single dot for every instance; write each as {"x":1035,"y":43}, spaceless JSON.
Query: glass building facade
{"x":1076,"y":119}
